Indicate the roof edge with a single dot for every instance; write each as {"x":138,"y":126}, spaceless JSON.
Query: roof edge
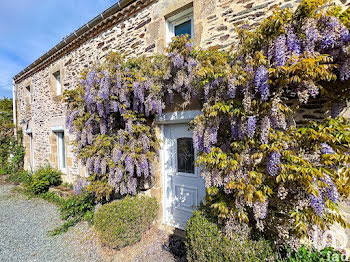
{"x":118,"y":6}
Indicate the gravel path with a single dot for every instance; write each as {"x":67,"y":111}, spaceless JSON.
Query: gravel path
{"x":24,"y":226}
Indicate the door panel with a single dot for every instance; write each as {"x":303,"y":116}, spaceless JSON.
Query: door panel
{"x":184,"y":188}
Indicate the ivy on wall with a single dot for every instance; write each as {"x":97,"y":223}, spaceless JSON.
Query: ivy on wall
{"x":260,"y":167}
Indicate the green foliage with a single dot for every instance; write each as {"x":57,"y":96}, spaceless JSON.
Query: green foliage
{"x":73,"y":210}
{"x":20,"y":177}
{"x":11,"y":149}
{"x":43,"y":179}
{"x":304,"y":254}
{"x":122,"y":222}
{"x":206,"y":242}
{"x":78,"y":206}
{"x":262,"y":166}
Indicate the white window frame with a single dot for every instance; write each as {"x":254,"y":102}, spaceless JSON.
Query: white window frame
{"x":178,"y":19}
{"x":61,"y":151}
{"x":57,"y":76}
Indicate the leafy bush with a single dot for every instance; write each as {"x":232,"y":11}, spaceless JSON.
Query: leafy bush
{"x":75,"y":209}
{"x":21,"y":177}
{"x":11,"y":149}
{"x":206,"y":242}
{"x":306,"y":255}
{"x":43,"y":179}
{"x":122,"y":222}
{"x":78,"y":206}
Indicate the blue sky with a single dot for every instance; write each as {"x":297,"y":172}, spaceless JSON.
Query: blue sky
{"x":29,"y":28}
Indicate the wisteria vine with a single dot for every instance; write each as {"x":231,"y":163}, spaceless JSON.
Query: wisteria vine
{"x":260,"y":166}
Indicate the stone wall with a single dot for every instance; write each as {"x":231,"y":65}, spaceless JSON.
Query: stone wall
{"x":143,"y":32}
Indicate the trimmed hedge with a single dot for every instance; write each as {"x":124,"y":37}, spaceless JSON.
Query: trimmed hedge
{"x":122,"y":222}
{"x":43,"y":179}
{"x":205,"y":242}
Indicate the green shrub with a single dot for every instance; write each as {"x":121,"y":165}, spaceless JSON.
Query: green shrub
{"x":122,"y":222}
{"x":206,"y":242}
{"x":306,"y":255}
{"x":43,"y":179}
{"x":75,"y":209}
{"x":78,"y":206}
{"x":20,"y":177}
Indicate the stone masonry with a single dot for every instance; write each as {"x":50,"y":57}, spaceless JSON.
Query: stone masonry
{"x":142,"y":31}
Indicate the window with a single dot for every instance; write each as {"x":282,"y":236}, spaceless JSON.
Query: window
{"x":57,"y":76}
{"x":185,"y":155}
{"x":31,"y":151}
{"x":180,"y":24}
{"x":61,"y":151}
{"x":28,"y":93}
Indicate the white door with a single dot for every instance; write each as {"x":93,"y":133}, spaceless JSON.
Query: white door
{"x":184,"y":188}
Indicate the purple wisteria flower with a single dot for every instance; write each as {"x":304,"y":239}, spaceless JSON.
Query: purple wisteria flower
{"x":139,"y":91}
{"x":104,"y":166}
{"x":344,"y":70}
{"x":328,"y":41}
{"x":129,"y":165}
{"x":317,"y":203}
{"x":280,"y":50}
{"x":80,"y":186}
{"x":97,"y":165}
{"x":261,"y":85}
{"x":100,"y":109}
{"x":105,"y":86}
{"x":293,"y":42}
{"x":90,"y":165}
{"x":210,"y":137}
{"x":251,"y":126}
{"x":132,"y":185}
{"x":260,"y":209}
{"x":198,"y":137}
{"x":236,"y":129}
{"x":331,"y":190}
{"x":144,"y":166}
{"x":232,"y":88}
{"x":327,"y":149}
{"x":265,"y":130}
{"x":116,"y":155}
{"x":273,"y":162}
{"x":188,"y":46}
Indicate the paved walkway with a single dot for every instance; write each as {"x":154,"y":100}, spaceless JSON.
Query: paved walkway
{"x":24,"y":226}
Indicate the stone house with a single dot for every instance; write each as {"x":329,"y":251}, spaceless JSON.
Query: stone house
{"x":134,"y":27}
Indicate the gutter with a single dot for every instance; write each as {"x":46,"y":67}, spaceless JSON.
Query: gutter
{"x":70,"y":38}
{"x":14,"y":107}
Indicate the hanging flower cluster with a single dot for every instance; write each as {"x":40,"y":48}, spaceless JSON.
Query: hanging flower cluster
{"x":259,"y":166}
{"x":273,"y":173}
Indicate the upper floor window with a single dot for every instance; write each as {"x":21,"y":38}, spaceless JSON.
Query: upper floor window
{"x":57,"y":76}
{"x":28,"y":93}
{"x":180,"y":24}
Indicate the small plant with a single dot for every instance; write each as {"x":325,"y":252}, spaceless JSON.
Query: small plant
{"x":20,"y":177}
{"x":74,"y":210}
{"x":206,"y":242}
{"x":43,"y":179}
{"x":303,"y":254}
{"x":122,"y":222}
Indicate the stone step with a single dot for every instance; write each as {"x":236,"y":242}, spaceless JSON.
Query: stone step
{"x":62,"y":191}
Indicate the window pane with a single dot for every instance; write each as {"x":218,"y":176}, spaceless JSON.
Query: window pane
{"x":183,"y":29}
{"x":61,"y":151}
{"x":58,"y":83}
{"x":185,"y":155}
